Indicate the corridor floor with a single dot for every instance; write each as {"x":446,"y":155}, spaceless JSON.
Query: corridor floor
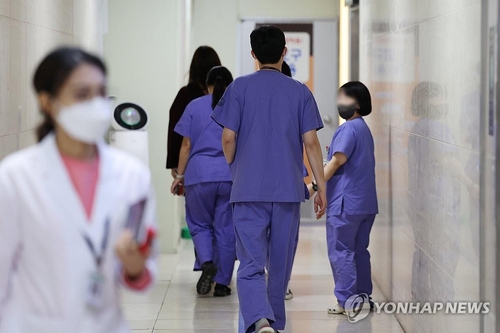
{"x":174,"y":306}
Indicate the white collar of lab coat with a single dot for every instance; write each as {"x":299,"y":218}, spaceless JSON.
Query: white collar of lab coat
{"x":65,"y":195}
{"x":50,"y":150}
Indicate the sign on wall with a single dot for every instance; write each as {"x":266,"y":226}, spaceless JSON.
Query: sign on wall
{"x":297,"y":57}
{"x":299,"y":41}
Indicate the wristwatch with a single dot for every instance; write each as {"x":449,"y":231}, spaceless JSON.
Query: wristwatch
{"x":315,"y":186}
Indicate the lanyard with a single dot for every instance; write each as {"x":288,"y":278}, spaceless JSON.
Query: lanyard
{"x":104,"y":243}
{"x":269,"y":67}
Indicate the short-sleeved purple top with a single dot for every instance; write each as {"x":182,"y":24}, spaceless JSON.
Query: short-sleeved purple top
{"x":269,"y":112}
{"x":352,"y":189}
{"x":206,"y":159}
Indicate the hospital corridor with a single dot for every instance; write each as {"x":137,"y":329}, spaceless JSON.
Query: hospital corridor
{"x":249,"y":166}
{"x":173,"y":305}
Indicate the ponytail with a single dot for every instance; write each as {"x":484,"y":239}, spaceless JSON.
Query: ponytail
{"x":219,"y":89}
{"x":44,"y":128}
{"x":220,"y":78}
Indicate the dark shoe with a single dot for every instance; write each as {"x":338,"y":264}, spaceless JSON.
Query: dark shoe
{"x":221,"y":290}
{"x":205,"y":282}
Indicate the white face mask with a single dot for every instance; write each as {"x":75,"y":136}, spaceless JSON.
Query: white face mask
{"x":87,"y":121}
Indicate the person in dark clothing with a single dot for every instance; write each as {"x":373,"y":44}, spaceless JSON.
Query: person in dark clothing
{"x":204,"y":59}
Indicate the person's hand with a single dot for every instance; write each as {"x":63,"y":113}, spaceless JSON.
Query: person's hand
{"x":133,"y":261}
{"x":175,"y":184}
{"x":311,"y":190}
{"x":174,"y":172}
{"x":320,"y":204}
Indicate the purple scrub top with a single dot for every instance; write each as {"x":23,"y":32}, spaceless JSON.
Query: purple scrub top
{"x":352,"y":189}
{"x":206,"y":158}
{"x":270,"y":112}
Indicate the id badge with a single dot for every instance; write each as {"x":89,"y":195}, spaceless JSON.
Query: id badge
{"x":95,"y":292}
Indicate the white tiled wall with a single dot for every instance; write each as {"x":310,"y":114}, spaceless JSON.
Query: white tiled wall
{"x":28,"y":30}
{"x":425,"y":243}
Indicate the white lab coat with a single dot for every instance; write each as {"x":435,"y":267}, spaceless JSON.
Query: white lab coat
{"x":44,"y":260}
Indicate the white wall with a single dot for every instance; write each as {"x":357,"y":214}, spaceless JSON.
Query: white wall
{"x":90,"y":24}
{"x":215,"y":22}
{"x":144,"y":52}
{"x":298,"y":9}
{"x":28,"y":31}
{"x":425,"y":242}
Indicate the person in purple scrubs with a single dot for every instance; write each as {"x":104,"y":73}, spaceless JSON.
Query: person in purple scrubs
{"x":352,"y":196}
{"x":267,"y":119}
{"x":205,"y":174}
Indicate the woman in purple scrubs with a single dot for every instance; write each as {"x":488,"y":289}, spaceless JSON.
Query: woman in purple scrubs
{"x":351,"y":195}
{"x":204,"y":172}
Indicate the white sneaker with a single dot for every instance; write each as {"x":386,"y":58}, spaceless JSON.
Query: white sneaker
{"x":262,"y":326}
{"x":266,"y":330}
{"x":289,"y":295}
{"x":337,"y":309}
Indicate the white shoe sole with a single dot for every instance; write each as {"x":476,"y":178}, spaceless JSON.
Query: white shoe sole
{"x":266,"y":330}
{"x":336,"y":310}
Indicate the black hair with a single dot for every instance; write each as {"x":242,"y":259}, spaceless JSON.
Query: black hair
{"x":361,"y":94}
{"x":52,"y":73}
{"x":219,"y":77}
{"x":285,"y":69}
{"x":204,"y":59}
{"x":268,"y":43}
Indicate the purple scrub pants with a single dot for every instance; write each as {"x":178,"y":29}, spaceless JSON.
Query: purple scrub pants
{"x":348,"y":238}
{"x":265,"y":232}
{"x":210,"y":222}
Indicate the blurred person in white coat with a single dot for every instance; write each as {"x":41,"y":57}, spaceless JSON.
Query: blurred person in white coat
{"x":77,"y":218}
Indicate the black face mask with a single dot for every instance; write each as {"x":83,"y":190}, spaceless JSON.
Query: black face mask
{"x":347,"y":111}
